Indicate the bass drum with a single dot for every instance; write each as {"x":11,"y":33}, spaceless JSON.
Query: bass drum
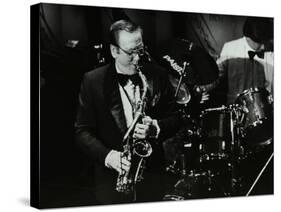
{"x":256,"y":119}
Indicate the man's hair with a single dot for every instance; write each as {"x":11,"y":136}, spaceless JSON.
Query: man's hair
{"x":121,"y":25}
{"x":258,"y":29}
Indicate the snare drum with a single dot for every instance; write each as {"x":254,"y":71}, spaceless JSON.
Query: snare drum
{"x":256,"y":119}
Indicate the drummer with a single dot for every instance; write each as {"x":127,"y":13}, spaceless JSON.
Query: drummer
{"x":247,"y":62}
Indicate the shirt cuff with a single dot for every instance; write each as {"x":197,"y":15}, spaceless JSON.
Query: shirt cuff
{"x":107,"y":158}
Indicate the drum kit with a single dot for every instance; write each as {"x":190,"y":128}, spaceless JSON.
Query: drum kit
{"x":212,"y":147}
{"x":218,"y":144}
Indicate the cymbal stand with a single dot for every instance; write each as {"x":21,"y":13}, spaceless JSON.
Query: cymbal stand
{"x":182,"y":75}
{"x":235,"y":155}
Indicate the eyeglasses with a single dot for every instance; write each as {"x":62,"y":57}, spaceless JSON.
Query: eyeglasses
{"x":140,"y":51}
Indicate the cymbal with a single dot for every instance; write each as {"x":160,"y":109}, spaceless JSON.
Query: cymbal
{"x":183,"y":97}
{"x":202,"y":68}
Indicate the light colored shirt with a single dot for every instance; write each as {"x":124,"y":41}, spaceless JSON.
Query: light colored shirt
{"x":130,"y":95}
{"x":243,"y":73}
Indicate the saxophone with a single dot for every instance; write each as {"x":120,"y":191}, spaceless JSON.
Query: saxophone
{"x":135,"y":150}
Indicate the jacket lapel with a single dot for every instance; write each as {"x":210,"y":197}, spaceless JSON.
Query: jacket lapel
{"x":114,"y":101}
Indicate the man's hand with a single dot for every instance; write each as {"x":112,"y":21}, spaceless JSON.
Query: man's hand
{"x":148,"y":129}
{"x":115,"y":160}
{"x":204,"y":97}
{"x":202,"y":94}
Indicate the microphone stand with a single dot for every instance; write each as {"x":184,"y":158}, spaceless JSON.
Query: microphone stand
{"x":259,"y":175}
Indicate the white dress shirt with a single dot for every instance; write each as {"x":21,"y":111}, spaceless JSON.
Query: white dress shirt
{"x":234,"y":59}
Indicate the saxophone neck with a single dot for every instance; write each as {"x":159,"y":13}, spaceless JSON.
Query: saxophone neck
{"x":144,"y":83}
{"x":138,"y":115}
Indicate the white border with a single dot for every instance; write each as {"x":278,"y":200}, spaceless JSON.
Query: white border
{"x":14,"y":88}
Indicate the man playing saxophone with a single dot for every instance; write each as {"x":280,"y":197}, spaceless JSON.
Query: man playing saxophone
{"x":109,"y":101}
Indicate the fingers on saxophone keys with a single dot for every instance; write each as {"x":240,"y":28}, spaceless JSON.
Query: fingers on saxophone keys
{"x":125,"y":162}
{"x":147,"y":120}
{"x":139,"y":135}
{"x":122,"y":169}
{"x":140,"y":131}
{"x":142,"y":126}
{"x":126,"y":157}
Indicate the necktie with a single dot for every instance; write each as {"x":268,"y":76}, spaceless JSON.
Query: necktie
{"x":123,"y":79}
{"x":252,"y":54}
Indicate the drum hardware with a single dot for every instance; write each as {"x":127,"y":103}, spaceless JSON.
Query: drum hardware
{"x":178,"y":166}
{"x":173,"y":197}
{"x":174,"y":150}
{"x":171,"y":168}
{"x":223,"y":107}
{"x":187,"y":145}
{"x":195,"y":184}
{"x":212,"y":156}
{"x":183,"y":165}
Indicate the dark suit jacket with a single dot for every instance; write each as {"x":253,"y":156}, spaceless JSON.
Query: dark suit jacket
{"x":101,"y":124}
